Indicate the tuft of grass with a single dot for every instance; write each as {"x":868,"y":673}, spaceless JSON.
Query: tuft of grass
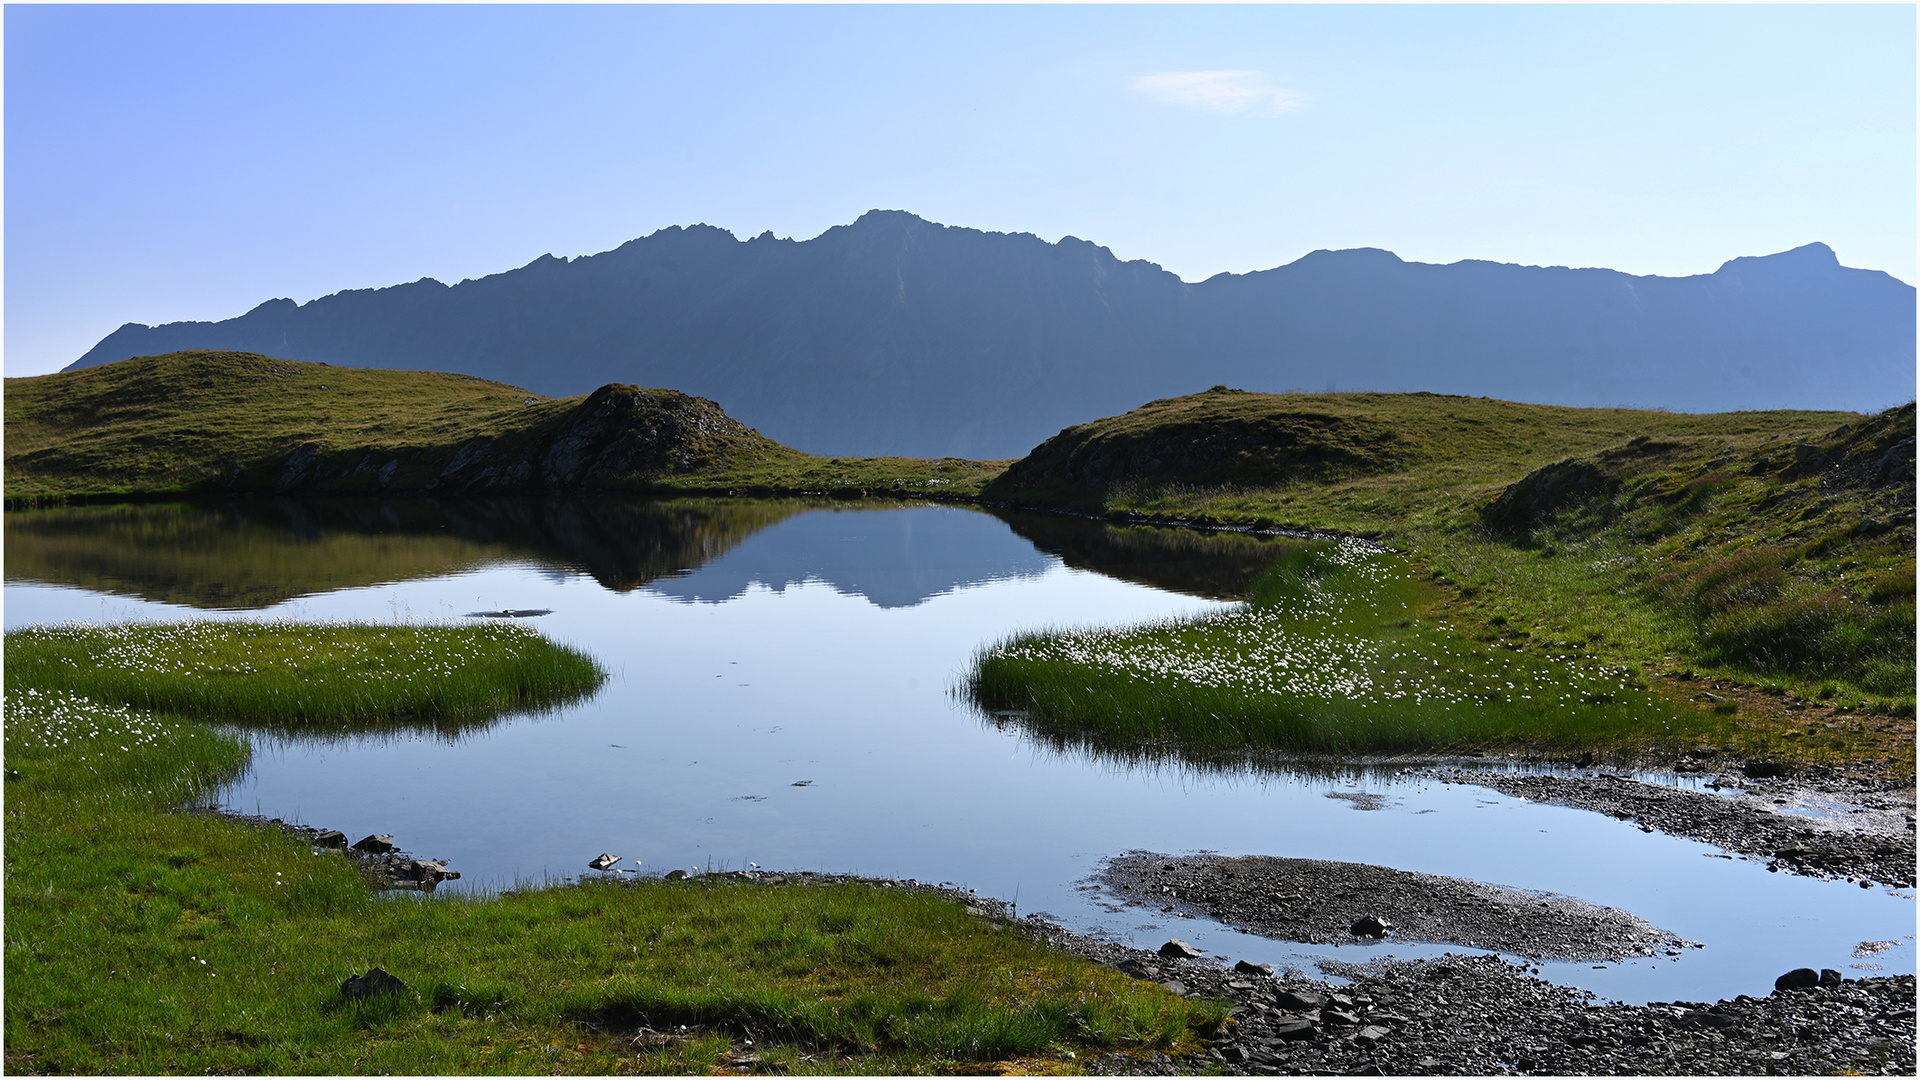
{"x":1335,"y":653}
{"x":142,"y":939}
{"x":333,"y":678}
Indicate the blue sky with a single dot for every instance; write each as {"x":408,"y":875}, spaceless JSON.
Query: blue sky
{"x":167,"y":163}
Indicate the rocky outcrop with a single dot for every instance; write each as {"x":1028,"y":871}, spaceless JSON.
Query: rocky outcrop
{"x":1543,"y":493}
{"x":618,"y":437}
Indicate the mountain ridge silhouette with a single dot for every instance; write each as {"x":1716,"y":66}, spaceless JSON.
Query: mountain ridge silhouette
{"x":897,"y":335}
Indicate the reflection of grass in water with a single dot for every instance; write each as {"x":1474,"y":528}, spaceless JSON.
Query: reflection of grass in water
{"x":1327,"y":657}
{"x":337,"y":678}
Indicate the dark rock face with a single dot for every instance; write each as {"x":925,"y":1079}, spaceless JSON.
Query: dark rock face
{"x":623,"y":432}
{"x":374,"y":983}
{"x":896,"y":335}
{"x":1797,"y":979}
{"x":1535,"y":498}
{"x":376,"y":844}
{"x":619,"y":435}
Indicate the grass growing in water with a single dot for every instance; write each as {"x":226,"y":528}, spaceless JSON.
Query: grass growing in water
{"x":303,"y":678}
{"x":1327,"y":657}
{"x":150,"y":941}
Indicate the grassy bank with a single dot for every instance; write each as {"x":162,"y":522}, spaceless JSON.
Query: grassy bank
{"x":144,"y":939}
{"x":1337,"y":652}
{"x":1762,"y":557}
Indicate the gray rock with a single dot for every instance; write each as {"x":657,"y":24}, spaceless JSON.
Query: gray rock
{"x":1300,"y":1000}
{"x":1829,"y":977}
{"x":330,"y":838}
{"x":425,"y":871}
{"x":377,"y":844}
{"x":602,"y":861}
{"x":1247,"y":967}
{"x":1179,"y":950}
{"x":1371,"y":926}
{"x":373,"y":984}
{"x":1797,"y":979}
{"x":678,"y":875}
{"x":1292,"y":1030}
{"x":1174,"y":986}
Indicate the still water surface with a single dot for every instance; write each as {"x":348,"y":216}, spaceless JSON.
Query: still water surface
{"x":782,"y":694}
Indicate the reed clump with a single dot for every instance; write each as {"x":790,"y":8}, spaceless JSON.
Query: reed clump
{"x":306,"y":678}
{"x":1331,"y":655}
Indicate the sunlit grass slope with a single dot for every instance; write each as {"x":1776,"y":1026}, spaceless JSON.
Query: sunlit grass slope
{"x":144,"y":939}
{"x":1337,"y":652}
{"x":1767,"y":548}
{"x":227,"y":423}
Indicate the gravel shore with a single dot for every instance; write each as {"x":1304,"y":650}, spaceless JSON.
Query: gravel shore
{"x":1318,"y":901}
{"x":1867,"y":832}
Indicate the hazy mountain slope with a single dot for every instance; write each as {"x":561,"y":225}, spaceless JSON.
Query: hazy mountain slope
{"x":896,"y":335}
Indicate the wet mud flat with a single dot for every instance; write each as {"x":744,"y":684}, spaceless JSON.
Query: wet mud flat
{"x":1868,"y":835}
{"x":1319,"y":901}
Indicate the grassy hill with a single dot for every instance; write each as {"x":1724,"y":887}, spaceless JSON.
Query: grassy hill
{"x":1767,"y":549}
{"x":1770,"y":550}
{"x":212,"y":423}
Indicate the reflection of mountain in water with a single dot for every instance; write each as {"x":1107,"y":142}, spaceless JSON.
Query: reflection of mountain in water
{"x":248,"y":554}
{"x":895,"y":559}
{"x":1216,"y":565}
{"x":252,"y":554}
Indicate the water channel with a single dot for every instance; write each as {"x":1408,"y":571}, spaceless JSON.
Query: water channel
{"x":783,"y":694}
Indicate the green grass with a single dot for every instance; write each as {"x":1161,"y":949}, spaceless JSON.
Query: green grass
{"x":143,"y":939}
{"x":303,"y":678}
{"x":226,"y":423}
{"x":1628,"y":574}
{"x":1339,"y":651}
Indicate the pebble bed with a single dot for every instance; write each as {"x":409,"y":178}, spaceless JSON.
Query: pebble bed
{"x":1748,"y":825}
{"x":1319,"y":901}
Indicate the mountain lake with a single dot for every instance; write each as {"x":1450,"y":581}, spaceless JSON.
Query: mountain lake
{"x":785,"y":691}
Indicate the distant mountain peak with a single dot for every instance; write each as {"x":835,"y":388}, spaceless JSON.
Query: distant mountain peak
{"x":1806,"y":257}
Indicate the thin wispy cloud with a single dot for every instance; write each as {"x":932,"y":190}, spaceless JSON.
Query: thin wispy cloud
{"x":1222,"y":91}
